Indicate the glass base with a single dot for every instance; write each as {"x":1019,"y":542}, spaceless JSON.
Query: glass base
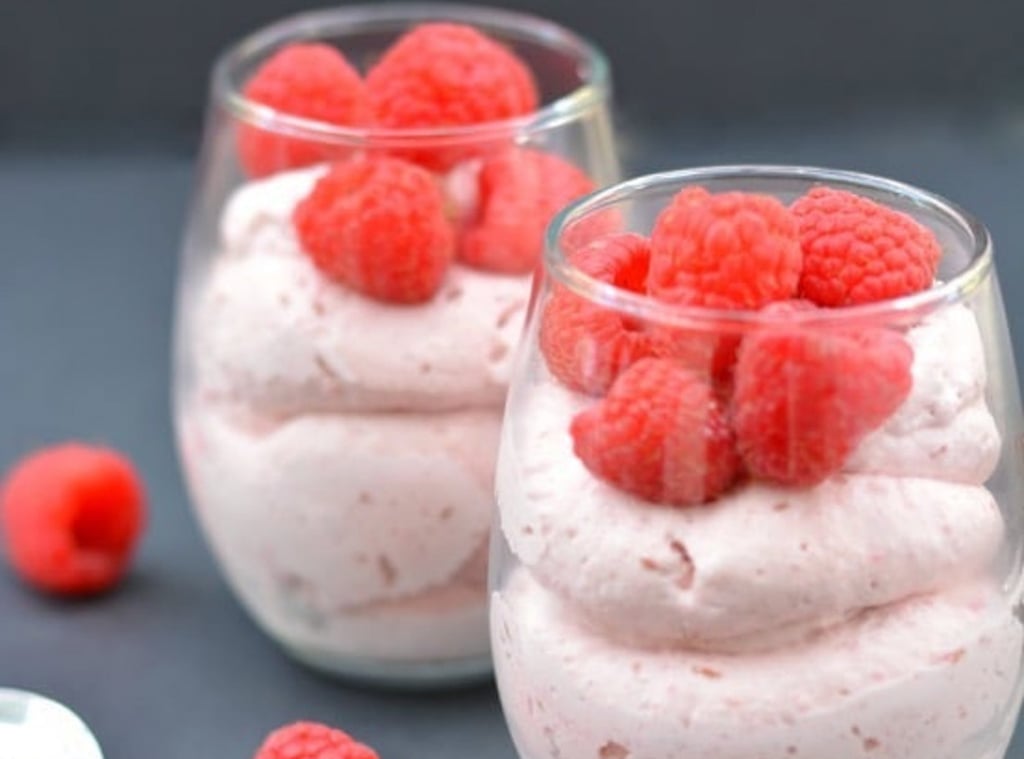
{"x":363,"y":665}
{"x":997,"y":752}
{"x":398,"y":675}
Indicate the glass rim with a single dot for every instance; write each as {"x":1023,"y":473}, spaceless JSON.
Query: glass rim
{"x":906,"y":307}
{"x":314,"y":25}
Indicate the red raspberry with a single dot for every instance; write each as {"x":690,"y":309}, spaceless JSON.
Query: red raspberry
{"x":733,"y":250}
{"x":709,"y":353}
{"x":443,"y":75}
{"x":312,"y":81}
{"x":310,"y":740}
{"x":520,"y":190}
{"x":857,"y":251}
{"x":378,"y":225}
{"x":805,"y":397}
{"x":590,"y":228}
{"x":72,"y":515}
{"x":660,"y":434}
{"x":587,"y":346}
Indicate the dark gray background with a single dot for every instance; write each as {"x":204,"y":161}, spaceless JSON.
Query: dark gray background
{"x":141,"y":59}
{"x":99,"y":111}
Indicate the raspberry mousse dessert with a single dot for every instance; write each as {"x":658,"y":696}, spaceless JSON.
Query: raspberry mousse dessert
{"x":357,"y":270}
{"x":758,"y":491}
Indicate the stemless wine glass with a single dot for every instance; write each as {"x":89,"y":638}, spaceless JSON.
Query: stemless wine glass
{"x":874,"y":614}
{"x":339,"y":450}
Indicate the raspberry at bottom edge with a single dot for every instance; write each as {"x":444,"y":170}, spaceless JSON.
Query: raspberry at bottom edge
{"x":312,"y":740}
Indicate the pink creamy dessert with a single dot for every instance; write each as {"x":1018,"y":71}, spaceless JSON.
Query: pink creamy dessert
{"x":651,"y":633}
{"x":341,"y":450}
{"x":355,"y":276}
{"x":860,"y":615}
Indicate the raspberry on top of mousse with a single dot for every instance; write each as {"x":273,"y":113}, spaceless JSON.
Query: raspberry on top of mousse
{"x":803,"y":399}
{"x":660,"y":433}
{"x":730,"y":250}
{"x":378,"y":225}
{"x":586,"y":346}
{"x":786,"y":402}
{"x":519,"y":190}
{"x":858,"y":251}
{"x":444,"y":74}
{"x":436,"y":75}
{"x":314,"y":81}
{"x":386,"y":221}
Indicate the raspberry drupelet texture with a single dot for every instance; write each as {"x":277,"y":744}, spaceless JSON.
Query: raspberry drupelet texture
{"x":444,"y":74}
{"x":805,"y":396}
{"x":520,"y":191}
{"x":311,"y":740}
{"x":313,"y":81}
{"x":732,"y":250}
{"x":585,"y":345}
{"x":378,"y":225}
{"x":858,"y":251}
{"x":72,"y":515}
{"x":660,"y":434}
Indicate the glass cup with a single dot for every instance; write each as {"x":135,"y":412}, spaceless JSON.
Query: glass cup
{"x":874,"y":614}
{"x":339,"y":450}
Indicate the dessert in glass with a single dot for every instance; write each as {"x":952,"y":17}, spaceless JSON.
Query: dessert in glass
{"x":759,"y":485}
{"x":374,"y":186}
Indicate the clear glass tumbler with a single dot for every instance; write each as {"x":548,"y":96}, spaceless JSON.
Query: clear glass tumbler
{"x":339,"y":450}
{"x":871,"y":614}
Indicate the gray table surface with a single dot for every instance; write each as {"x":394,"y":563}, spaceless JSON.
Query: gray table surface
{"x":169,"y":666}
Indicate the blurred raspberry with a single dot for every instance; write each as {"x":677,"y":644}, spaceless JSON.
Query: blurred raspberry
{"x":310,"y":740}
{"x":72,"y":515}
{"x":313,"y":81}
{"x":520,"y":191}
{"x":448,"y":75}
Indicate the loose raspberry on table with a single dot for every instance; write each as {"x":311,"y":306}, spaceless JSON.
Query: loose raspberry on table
{"x":311,"y":740}
{"x":444,"y":74}
{"x":661,"y":434}
{"x":733,"y":250}
{"x":313,"y":81}
{"x":72,"y":515}
{"x":378,"y":225}
{"x":587,"y":345}
{"x":519,"y":192}
{"x":805,"y":396}
{"x":858,"y":251}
